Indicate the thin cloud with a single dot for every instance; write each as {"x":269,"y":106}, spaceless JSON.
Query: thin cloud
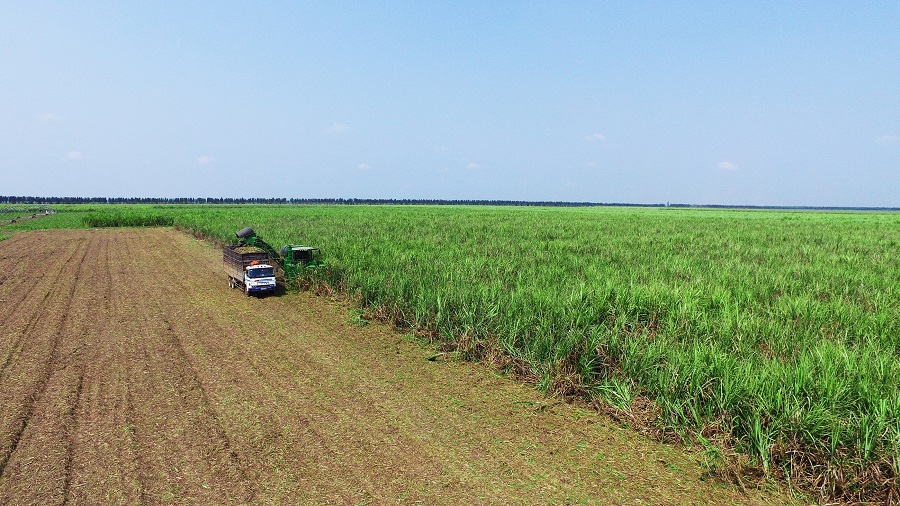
{"x":48,"y":117}
{"x":336,"y":128}
{"x":888,"y":139}
{"x":727,"y":166}
{"x":473,"y":166}
{"x":364,"y":166}
{"x":73,"y":155}
{"x":595,"y":137}
{"x":205,"y":160}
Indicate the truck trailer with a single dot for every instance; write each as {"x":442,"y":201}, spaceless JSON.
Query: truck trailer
{"x":250,"y":268}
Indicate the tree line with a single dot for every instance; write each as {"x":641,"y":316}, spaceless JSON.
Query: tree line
{"x":338,"y":201}
{"x":19,"y":200}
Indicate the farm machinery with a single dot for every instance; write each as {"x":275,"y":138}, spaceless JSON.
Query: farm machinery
{"x":292,"y":258}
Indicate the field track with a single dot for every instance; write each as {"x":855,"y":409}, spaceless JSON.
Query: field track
{"x":131,"y":374}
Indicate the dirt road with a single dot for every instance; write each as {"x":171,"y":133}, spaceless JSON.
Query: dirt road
{"x":131,"y":374}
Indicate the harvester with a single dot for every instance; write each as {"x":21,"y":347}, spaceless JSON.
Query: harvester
{"x":292,"y":258}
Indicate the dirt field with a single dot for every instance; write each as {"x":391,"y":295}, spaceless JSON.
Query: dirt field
{"x":131,"y":374}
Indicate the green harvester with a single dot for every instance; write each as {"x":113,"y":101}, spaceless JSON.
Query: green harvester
{"x":293,"y":259}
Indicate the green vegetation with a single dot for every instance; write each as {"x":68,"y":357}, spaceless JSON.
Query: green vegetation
{"x":71,"y":217}
{"x":126,"y":219}
{"x":773,"y":333}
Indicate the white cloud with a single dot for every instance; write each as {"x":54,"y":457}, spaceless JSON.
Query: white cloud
{"x":73,"y":155}
{"x":441,"y":149}
{"x":595,"y":137}
{"x":364,"y":166}
{"x":473,"y":166}
{"x":205,"y":160}
{"x":726,"y":166}
{"x":888,"y":139}
{"x":336,"y":128}
{"x":48,"y":117}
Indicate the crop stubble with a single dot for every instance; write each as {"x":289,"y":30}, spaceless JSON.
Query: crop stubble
{"x":130,"y":374}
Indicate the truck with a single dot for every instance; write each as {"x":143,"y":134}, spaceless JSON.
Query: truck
{"x":250,"y":268}
{"x":254,"y":264}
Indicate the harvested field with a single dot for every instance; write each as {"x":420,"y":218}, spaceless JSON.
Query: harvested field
{"x":130,"y":378}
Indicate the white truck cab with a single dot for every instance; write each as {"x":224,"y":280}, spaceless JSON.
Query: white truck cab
{"x":259,"y":278}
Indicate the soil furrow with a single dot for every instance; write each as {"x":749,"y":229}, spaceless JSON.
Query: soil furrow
{"x":104,"y":454}
{"x":32,"y":395}
{"x":269,"y":420}
{"x":139,"y":465}
{"x":36,"y":269}
{"x":35,"y":295}
{"x":193,"y":382}
{"x":16,"y":272}
{"x":70,"y":439}
{"x":168,"y":409}
{"x":33,"y":470}
{"x":249,"y":390}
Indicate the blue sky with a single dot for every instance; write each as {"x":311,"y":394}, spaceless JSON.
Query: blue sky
{"x":761,"y":103}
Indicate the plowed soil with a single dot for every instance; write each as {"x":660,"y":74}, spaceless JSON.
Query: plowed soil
{"x":131,"y":374}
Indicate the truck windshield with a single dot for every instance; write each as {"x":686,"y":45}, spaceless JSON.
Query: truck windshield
{"x":261,"y":272}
